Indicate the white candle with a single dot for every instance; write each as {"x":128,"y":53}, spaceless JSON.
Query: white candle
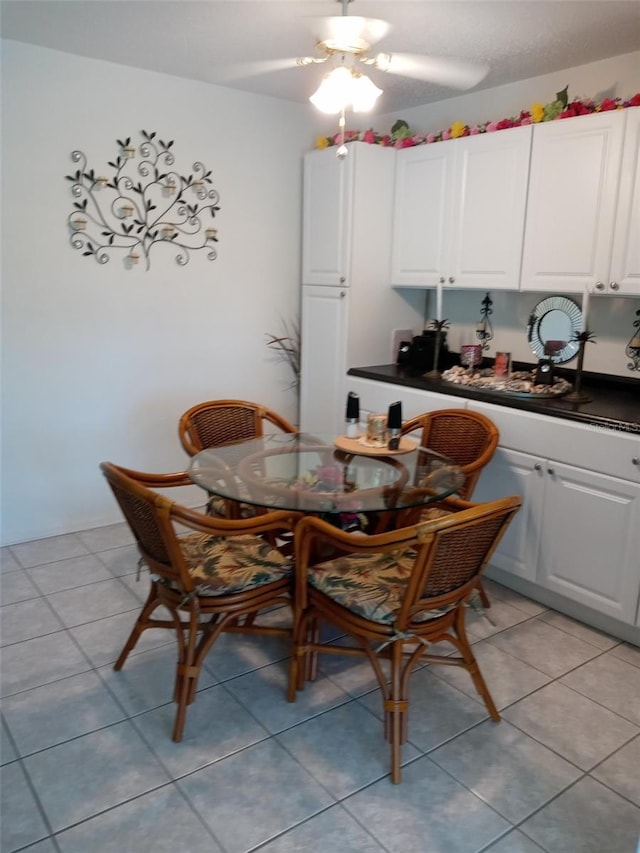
{"x":439,"y":300}
{"x":585,"y":307}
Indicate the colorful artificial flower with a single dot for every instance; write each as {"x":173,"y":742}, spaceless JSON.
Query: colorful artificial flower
{"x":608,"y":104}
{"x":401,"y":135}
{"x":537,"y":112}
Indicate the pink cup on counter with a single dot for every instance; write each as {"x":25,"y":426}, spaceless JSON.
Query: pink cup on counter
{"x":502,"y":365}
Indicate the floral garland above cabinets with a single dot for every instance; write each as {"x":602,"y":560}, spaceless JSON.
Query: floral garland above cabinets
{"x":401,"y":135}
{"x":140,"y":204}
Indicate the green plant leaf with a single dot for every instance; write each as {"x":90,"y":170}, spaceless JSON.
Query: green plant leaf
{"x":563,"y":96}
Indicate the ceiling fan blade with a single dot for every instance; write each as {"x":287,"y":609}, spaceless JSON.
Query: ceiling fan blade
{"x":349,"y":30}
{"x":456,"y":73}
{"x":230,"y":72}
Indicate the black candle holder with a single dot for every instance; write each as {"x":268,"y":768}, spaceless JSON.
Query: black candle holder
{"x":484,"y":329}
{"x":439,"y":326}
{"x":578,"y":395}
{"x":632,"y":350}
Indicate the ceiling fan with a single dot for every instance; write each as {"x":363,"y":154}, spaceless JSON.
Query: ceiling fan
{"x":346,"y":42}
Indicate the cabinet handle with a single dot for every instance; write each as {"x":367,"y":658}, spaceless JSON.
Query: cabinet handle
{"x":635,"y":460}
{"x":451,"y":279}
{"x":614,"y":285}
{"x":537,"y":467}
{"x":441,"y":279}
{"x":342,"y":279}
{"x":551,"y":471}
{"x":342,"y":294}
{"x":599,"y":285}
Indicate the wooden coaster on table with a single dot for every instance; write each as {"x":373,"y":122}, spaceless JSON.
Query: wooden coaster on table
{"x":360,"y":446}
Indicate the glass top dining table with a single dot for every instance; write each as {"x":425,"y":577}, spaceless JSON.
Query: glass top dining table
{"x":325,"y":474}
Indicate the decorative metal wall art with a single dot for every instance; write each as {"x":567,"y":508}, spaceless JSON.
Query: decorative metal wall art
{"x":632,"y":350}
{"x":484,"y":329}
{"x":142,"y":203}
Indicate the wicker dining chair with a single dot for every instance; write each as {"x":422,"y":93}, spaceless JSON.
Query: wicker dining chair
{"x":394,"y":594}
{"x":465,"y":437}
{"x":216,"y":578}
{"x":218,"y":422}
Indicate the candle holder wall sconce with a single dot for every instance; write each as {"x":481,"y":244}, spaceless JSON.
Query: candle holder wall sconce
{"x":439,"y":326}
{"x":140,"y":204}
{"x":484,"y":329}
{"x":578,"y":395}
{"x":632,"y":349}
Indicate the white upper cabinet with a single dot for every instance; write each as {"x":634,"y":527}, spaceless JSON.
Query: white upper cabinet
{"x":571,"y":211}
{"x":420,"y":212}
{"x":459,"y":211}
{"x":326,"y":218}
{"x":625,"y":259}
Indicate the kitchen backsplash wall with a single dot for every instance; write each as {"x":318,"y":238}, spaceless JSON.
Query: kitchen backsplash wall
{"x":610,"y":318}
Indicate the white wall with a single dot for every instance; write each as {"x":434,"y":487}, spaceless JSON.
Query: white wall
{"x":98,"y":362}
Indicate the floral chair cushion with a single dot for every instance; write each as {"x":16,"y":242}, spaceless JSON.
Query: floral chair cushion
{"x":225,"y":565}
{"x":370,"y":586}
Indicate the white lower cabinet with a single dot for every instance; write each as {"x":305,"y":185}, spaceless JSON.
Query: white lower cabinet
{"x":589,"y":542}
{"x":514,"y":473}
{"x":578,"y":532}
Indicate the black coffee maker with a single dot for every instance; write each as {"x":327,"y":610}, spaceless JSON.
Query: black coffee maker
{"x":421,"y":352}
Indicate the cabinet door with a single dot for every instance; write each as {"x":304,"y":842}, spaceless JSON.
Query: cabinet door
{"x":514,"y":473}
{"x":323,"y":358}
{"x":625,"y":259}
{"x":326,"y":218}
{"x":573,"y":185}
{"x":489,"y":198}
{"x":420,"y":214}
{"x":589,"y":550}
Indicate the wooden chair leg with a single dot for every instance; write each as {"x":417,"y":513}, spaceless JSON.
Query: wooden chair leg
{"x":474,"y":670}
{"x":142,"y":623}
{"x":396,"y":707}
{"x":484,"y":598}
{"x":298,"y":659}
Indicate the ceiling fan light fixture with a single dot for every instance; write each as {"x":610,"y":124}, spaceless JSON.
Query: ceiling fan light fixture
{"x":364,"y":93}
{"x":343,"y":87}
{"x":333,"y":92}
{"x":382,"y":61}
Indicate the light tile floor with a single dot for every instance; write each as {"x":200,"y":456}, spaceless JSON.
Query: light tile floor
{"x":88,"y":765}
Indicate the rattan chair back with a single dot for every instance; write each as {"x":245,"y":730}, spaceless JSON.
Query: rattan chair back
{"x":467,"y":438}
{"x":218,"y":422}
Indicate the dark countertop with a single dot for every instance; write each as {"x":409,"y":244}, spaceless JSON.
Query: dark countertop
{"x":615,"y":401}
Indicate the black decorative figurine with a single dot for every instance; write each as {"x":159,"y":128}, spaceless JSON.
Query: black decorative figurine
{"x":439,"y":326}
{"x":578,"y":395}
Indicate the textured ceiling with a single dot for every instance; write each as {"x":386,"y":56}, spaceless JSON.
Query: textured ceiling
{"x":246,"y":43}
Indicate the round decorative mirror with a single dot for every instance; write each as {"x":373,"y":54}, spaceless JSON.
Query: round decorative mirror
{"x":553,"y":323}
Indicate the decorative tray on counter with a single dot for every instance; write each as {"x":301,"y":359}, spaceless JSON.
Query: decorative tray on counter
{"x":517,"y":384}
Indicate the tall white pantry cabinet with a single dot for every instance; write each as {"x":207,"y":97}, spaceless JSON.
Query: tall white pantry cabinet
{"x":349,"y":311}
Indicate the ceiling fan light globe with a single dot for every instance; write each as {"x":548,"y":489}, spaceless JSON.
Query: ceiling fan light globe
{"x":364,"y":93}
{"x":333,"y":93}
